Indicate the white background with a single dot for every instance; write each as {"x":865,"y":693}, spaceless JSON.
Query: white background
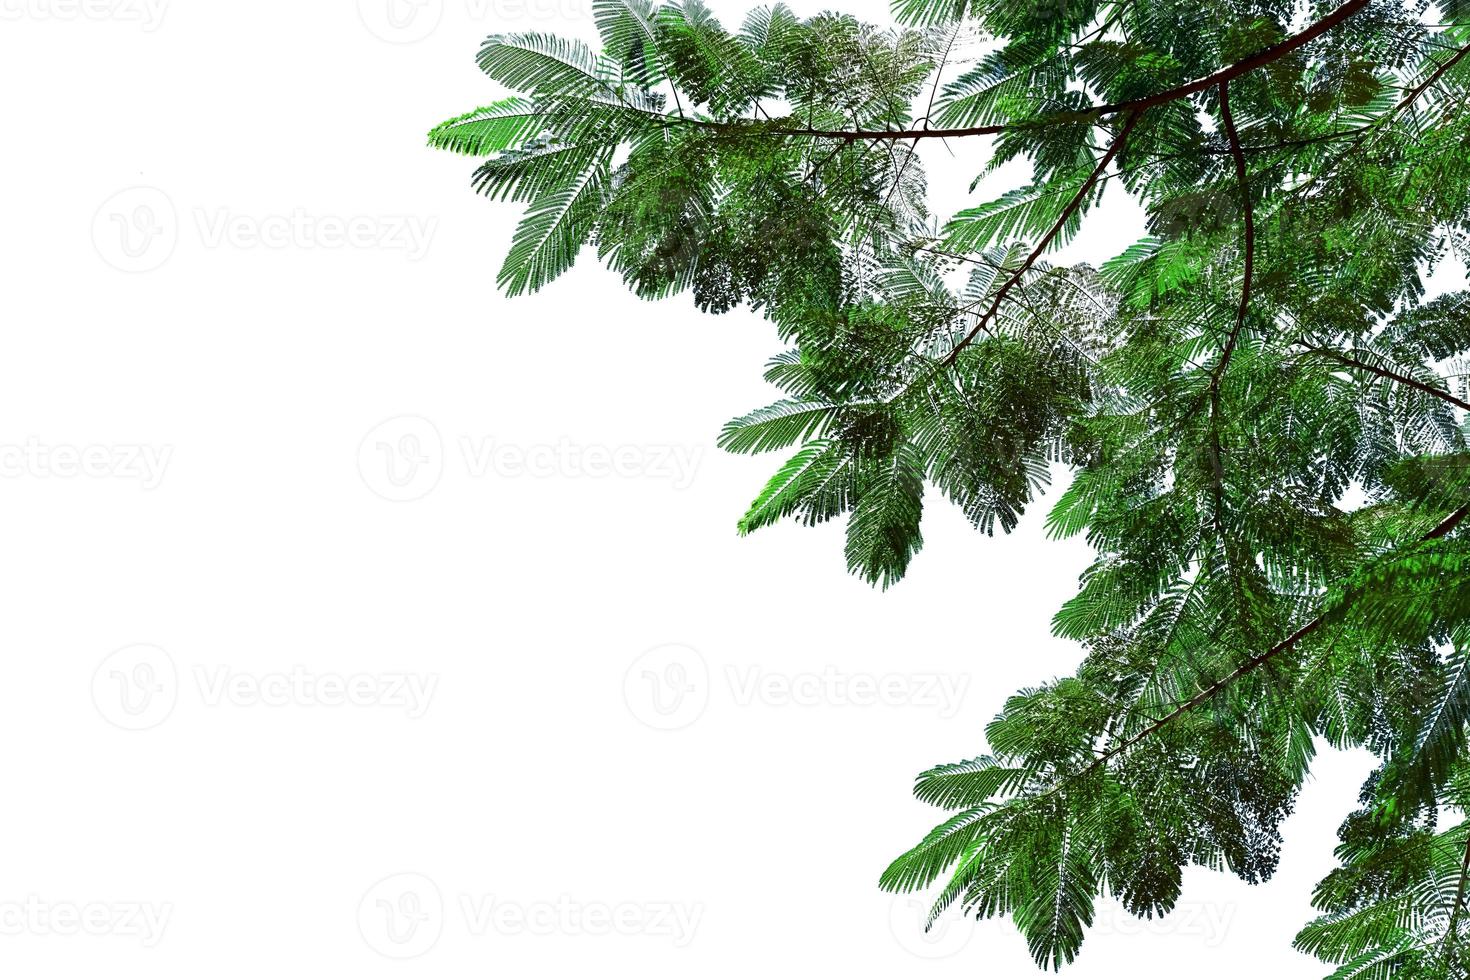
{"x":216,"y":323}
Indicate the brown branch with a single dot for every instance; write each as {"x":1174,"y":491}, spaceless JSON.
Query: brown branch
{"x":999,"y":268}
{"x":1250,"y":235}
{"x":1363,"y":133}
{"x":1385,"y":373}
{"x":1216,"y":457}
{"x":928,"y":111}
{"x":1263,"y":57}
{"x":1443,"y":528}
{"x":1434,"y":76}
{"x":1046,"y":239}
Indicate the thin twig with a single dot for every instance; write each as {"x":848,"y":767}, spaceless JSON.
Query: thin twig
{"x":1046,"y":239}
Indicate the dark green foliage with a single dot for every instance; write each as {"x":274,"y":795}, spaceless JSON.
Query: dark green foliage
{"x":1260,"y":409}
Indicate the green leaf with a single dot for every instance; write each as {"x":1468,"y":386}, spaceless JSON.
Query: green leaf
{"x":549,"y":236}
{"x":883,"y":531}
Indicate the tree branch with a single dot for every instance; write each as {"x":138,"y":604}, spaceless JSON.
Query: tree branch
{"x":1403,"y":379}
{"x":1250,"y":236}
{"x":1434,"y":76}
{"x":1263,"y":57}
{"x":1046,"y":239}
{"x":1443,"y":528}
{"x":1364,"y":133}
{"x":1216,"y":457}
